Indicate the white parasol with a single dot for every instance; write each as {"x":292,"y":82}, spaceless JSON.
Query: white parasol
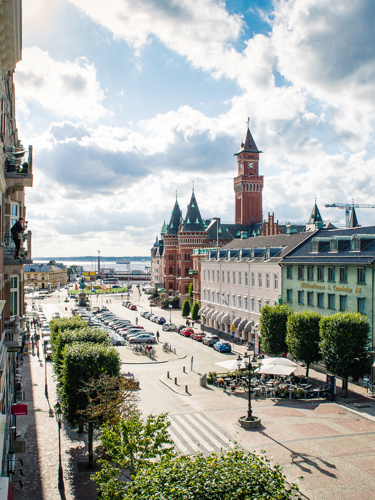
{"x":231,"y":364}
{"x":273,"y":369}
{"x":279,"y":361}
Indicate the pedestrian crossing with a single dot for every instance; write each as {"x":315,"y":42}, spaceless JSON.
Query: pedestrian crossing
{"x":195,"y":432}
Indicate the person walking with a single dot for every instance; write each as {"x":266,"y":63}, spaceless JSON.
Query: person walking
{"x":157,"y":335}
{"x":17,"y":230}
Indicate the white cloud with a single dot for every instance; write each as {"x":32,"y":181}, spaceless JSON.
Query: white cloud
{"x":68,"y":89}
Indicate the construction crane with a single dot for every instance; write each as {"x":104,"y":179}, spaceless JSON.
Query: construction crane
{"x":347,"y":207}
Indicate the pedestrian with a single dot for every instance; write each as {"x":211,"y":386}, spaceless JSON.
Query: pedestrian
{"x":192,"y":324}
{"x":157,"y":335}
{"x":17,"y":230}
{"x":136,"y":320}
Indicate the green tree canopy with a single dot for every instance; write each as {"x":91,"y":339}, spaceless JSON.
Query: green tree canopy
{"x":273,"y":322}
{"x":83,"y":334}
{"x":155,"y":293}
{"x":345,"y":341}
{"x":59,"y":325}
{"x":185,"y":311}
{"x":303,"y":337}
{"x":194,"y":311}
{"x":191,"y":290}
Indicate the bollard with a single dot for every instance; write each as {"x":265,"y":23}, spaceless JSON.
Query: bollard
{"x":168,"y":375}
{"x":174,"y":350}
{"x":186,"y":389}
{"x":183,"y":369}
{"x":175,"y":381}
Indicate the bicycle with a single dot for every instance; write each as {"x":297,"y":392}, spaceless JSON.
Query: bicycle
{"x":166,"y":347}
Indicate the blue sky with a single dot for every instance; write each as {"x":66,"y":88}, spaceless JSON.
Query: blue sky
{"x":128,"y":102}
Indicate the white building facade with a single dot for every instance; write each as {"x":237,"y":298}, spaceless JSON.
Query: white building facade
{"x":240,"y":280}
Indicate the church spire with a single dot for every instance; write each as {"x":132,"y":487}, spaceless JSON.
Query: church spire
{"x":353,"y":218}
{"x":248,"y":144}
{"x":193,"y":220}
{"x":175,"y":219}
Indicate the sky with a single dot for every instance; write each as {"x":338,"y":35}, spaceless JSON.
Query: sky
{"x":128,"y":103}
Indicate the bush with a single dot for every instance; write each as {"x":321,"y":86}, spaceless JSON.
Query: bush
{"x":185,"y":308}
{"x":194,"y":311}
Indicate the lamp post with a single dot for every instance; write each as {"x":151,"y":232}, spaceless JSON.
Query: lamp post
{"x":250,"y":420}
{"x":45,"y":370}
{"x":59,"y":419}
{"x":170,"y":313}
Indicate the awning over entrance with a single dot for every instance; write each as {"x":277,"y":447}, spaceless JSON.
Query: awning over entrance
{"x":210,"y":313}
{"x":237,"y":321}
{"x":242,"y":324}
{"x":220,"y":317}
{"x":204,"y":312}
{"x":249,"y":325}
{"x":215,"y":315}
{"x":200,"y":312}
{"x":226,"y":319}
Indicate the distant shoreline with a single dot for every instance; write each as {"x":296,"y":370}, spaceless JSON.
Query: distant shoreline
{"x":94,"y":257}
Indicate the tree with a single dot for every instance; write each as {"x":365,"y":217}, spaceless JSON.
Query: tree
{"x":232,"y":475}
{"x":86,"y":334}
{"x":194,"y":311}
{"x":345,"y":339}
{"x":191,"y":290}
{"x":155,"y":293}
{"x":131,"y":444}
{"x":175,"y":301}
{"x":303,"y":337}
{"x":83,"y":361}
{"x":59,"y":325}
{"x":185,"y":308}
{"x":273,"y":322}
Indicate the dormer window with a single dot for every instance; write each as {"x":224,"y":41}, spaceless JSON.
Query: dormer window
{"x":333,"y":245}
{"x":315,"y":246}
{"x":356,"y":244}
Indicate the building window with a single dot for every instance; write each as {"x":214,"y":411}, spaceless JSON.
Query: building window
{"x":227,"y":299}
{"x":320,"y":299}
{"x":301,"y":272}
{"x":234,"y":277}
{"x":289,"y":272}
{"x":233,"y":300}
{"x":223,"y":277}
{"x":320,"y":271}
{"x":331,"y":301}
{"x":246,"y":279}
{"x":355,"y":245}
{"x":171,"y":270}
{"x":276,"y":281}
{"x":208,"y":295}
{"x":310,"y":272}
{"x":300,"y":297}
{"x":361,"y":275}
{"x":218,"y":297}
{"x":218,"y":276}
{"x":240,"y":278}
{"x":343,"y":302}
{"x":289,"y":295}
{"x":252,"y":300}
{"x":310,"y":298}
{"x":209,"y":275}
{"x":259,"y":305}
{"x":239,"y":299}
{"x":245,"y":303}
{"x":268,"y":280}
{"x":361,"y":305}
{"x":204,"y":275}
{"x":14,"y":214}
{"x":260,"y":280}
{"x":187,"y":257}
{"x":14,"y":307}
{"x":252,"y":279}
{"x":343,"y":275}
{"x":228,"y":277}
{"x":331,"y":274}
{"x":170,"y":256}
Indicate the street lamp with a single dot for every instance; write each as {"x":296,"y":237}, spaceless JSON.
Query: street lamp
{"x":170,"y":313}
{"x":249,"y":421}
{"x":45,"y":370}
{"x":59,"y":418}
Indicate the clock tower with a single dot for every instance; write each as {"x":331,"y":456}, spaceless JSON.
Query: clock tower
{"x":248,"y":185}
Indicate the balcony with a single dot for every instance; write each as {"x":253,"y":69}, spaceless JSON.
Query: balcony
{"x":17,"y":171}
{"x":193,"y":272}
{"x":25,"y":251}
{"x":12,"y":335}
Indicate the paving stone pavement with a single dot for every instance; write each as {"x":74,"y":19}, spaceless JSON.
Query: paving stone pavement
{"x":40,"y":431}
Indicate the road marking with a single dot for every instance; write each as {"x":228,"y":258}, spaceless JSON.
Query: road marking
{"x":205,"y":432}
{"x":185,"y":437}
{"x":193,"y":433}
{"x":217,"y":432}
{"x":178,"y":443}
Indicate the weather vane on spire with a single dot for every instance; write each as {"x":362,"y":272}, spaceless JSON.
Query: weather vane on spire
{"x":193,"y":186}
{"x":248,"y":122}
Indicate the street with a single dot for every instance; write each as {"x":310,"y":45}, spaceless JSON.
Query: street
{"x":332,"y":445}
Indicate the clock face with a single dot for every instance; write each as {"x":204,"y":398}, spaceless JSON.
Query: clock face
{"x":251,"y":165}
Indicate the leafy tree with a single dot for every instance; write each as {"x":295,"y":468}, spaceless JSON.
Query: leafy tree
{"x":232,"y":475}
{"x":273,"y":322}
{"x":59,"y":325}
{"x":175,"y":301}
{"x":83,"y":361}
{"x":87,"y":334}
{"x":191,"y":290}
{"x":344,"y":344}
{"x":131,"y":444}
{"x":185,"y":308}
{"x":303,"y":337}
{"x":155,"y":293}
{"x":194,"y":311}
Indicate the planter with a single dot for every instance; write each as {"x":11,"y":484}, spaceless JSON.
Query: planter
{"x":254,"y":423}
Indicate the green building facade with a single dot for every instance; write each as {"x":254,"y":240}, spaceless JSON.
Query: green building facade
{"x":332,"y":271}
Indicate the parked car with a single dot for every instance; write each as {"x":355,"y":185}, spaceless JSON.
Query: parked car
{"x":161,"y":320}
{"x":198,"y":336}
{"x":143,"y":337}
{"x":210,"y":340}
{"x":223,"y":346}
{"x":181,"y":327}
{"x":187,"y":332}
{"x":116,"y":339}
{"x":169,"y":327}
{"x":133,"y":307}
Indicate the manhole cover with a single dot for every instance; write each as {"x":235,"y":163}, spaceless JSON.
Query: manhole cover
{"x":19,"y":447}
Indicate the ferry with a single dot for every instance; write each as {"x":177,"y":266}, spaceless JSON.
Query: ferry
{"x":123,"y":261}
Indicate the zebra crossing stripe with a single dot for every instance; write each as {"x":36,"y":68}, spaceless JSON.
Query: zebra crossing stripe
{"x":217,"y":432}
{"x":178,"y":443}
{"x":203,"y":444}
{"x":185,"y":437}
{"x":204,"y":431}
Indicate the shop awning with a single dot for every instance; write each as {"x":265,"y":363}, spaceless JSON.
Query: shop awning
{"x":215,"y":315}
{"x":204,"y":311}
{"x":220,"y":317}
{"x":200,"y":312}
{"x":237,"y":321}
{"x":226,"y":319}
{"x":249,"y":325}
{"x":210,"y":313}
{"x":242,"y":324}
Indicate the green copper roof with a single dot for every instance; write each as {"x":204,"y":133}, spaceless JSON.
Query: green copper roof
{"x":315,"y":216}
{"x":163,"y":229}
{"x":175,"y":219}
{"x":193,"y":214}
{"x":353,"y":218}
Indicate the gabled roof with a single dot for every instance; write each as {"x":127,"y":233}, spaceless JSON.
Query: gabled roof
{"x":174,"y":223}
{"x":248,"y":144}
{"x":193,"y":221}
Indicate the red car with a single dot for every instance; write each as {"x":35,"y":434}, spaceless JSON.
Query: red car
{"x":133,"y":308}
{"x":198,"y":336}
{"x":187,"y":332}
